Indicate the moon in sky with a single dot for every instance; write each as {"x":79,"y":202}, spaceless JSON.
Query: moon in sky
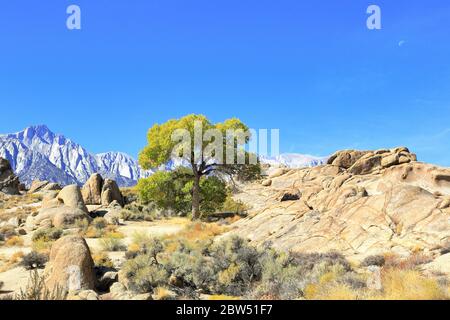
{"x":401,"y":43}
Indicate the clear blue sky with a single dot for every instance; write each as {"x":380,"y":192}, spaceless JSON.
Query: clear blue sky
{"x":310,"y":68}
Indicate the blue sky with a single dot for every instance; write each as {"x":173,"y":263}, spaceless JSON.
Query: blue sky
{"x":310,"y":68}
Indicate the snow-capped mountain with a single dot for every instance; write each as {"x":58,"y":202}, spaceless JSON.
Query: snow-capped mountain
{"x":294,"y":160}
{"x":121,"y":167}
{"x":37,"y":153}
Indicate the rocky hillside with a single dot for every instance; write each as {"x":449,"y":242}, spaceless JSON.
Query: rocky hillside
{"x":359,"y":203}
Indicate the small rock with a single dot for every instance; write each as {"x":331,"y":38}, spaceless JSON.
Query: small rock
{"x":374,"y":278}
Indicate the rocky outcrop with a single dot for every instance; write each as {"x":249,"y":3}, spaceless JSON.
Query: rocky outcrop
{"x":110,"y":193}
{"x":38,"y":186}
{"x":9,"y":182}
{"x":361,"y":203}
{"x":71,"y":197}
{"x":70,"y":267}
{"x":97,"y":191}
{"x":92,"y":190}
{"x":60,"y":217}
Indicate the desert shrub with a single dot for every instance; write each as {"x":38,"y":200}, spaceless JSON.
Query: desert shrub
{"x":140,"y":212}
{"x":309,"y":261}
{"x":14,"y":241}
{"x":99,"y":223}
{"x":37,"y":290}
{"x":353,"y":281}
{"x":146,"y":244}
{"x":191,"y":269}
{"x":280,"y":278}
{"x":102,"y":260}
{"x":47,"y":234}
{"x":129,"y":195}
{"x":375,"y":260}
{"x":7,"y":232}
{"x":34,"y":260}
{"x":231,"y":205}
{"x":144,"y":274}
{"x":112,"y":244}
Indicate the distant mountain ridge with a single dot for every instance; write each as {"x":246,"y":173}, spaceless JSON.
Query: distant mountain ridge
{"x":37,"y":153}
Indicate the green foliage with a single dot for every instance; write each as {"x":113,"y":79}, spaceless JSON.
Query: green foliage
{"x":230,"y":267}
{"x":161,"y":147}
{"x":112,"y":244}
{"x":231,"y":205}
{"x":144,"y":274}
{"x":166,"y":190}
{"x":173,"y":191}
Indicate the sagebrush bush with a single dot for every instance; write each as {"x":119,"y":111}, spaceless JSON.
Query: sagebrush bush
{"x":375,"y":260}
{"x":99,"y":223}
{"x":144,"y":274}
{"x":34,"y":260}
{"x":47,"y":234}
{"x":112,"y":244}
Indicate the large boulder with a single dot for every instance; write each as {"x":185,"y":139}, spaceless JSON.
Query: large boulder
{"x":111,"y":192}
{"x":71,"y":197}
{"x":97,"y":191}
{"x":92,"y":190}
{"x":60,"y":217}
{"x":70,"y":267}
{"x":38,"y":186}
{"x":345,"y":158}
{"x":9,"y":182}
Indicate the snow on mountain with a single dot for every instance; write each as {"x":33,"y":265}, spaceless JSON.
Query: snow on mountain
{"x":37,"y":153}
{"x":294,"y":160}
{"x":121,"y":167}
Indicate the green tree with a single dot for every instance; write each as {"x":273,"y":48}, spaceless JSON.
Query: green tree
{"x":161,"y":146}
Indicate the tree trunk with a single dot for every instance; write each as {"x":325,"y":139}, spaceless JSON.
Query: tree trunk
{"x":196,"y":197}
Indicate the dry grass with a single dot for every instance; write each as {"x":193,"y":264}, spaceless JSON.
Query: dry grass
{"x":161,"y":293}
{"x":410,"y":285}
{"x":398,"y":284}
{"x":101,"y":259}
{"x":198,"y":231}
{"x":15,"y":241}
{"x":42,"y":246}
{"x":13,"y":261}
